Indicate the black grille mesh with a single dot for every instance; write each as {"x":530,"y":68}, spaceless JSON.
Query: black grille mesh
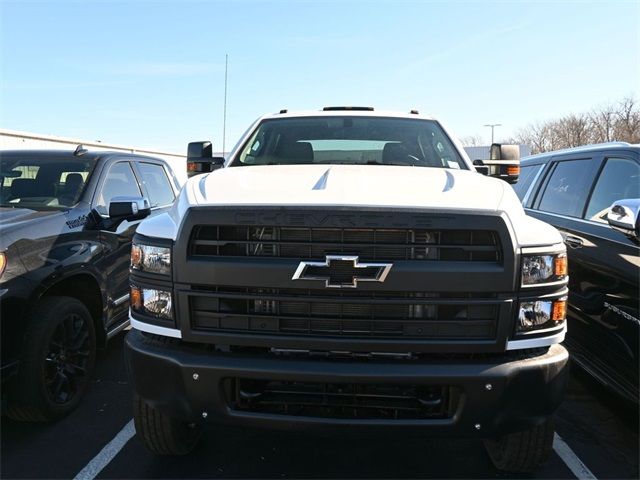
{"x":368,"y":243}
{"x":409,"y":315}
{"x":341,"y":400}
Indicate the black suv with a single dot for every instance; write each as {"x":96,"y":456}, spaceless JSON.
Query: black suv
{"x":592,"y":196}
{"x":67,"y":220}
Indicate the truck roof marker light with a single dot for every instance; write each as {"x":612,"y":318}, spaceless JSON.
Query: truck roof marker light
{"x":414,"y":112}
{"x":284,"y":110}
{"x":355,"y":109}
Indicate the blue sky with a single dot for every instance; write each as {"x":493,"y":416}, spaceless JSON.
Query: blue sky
{"x":151,"y":74}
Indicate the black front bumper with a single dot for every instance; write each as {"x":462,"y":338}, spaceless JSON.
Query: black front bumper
{"x":187,"y":383}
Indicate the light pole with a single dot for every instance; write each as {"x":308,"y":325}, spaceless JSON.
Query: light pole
{"x":493,"y":125}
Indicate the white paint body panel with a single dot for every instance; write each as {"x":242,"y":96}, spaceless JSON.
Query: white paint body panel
{"x":382,"y":187}
{"x":373,"y":186}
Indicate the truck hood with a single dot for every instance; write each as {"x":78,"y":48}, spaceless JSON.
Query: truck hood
{"x":377,"y":186}
{"x":26,"y":224}
{"x":13,"y":218}
{"x":348,"y":185}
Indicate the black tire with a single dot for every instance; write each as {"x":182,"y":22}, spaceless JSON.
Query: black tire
{"x":56,"y":362}
{"x":522,"y":452}
{"x":161,"y":434}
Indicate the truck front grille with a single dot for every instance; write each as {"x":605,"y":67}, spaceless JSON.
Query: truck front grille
{"x":341,"y":400}
{"x":355,"y":314}
{"x":368,"y":243}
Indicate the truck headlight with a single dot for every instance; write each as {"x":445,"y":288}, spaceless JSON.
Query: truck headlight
{"x":151,"y":259}
{"x":149,"y":301}
{"x":537,"y":269}
{"x":541,"y":314}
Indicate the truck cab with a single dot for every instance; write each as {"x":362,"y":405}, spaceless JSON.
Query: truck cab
{"x":350,"y":270}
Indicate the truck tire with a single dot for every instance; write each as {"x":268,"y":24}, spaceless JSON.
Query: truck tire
{"x":56,"y":362}
{"x":522,"y":452}
{"x":161,"y":434}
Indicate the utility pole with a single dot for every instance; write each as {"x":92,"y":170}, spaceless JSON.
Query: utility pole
{"x":224,"y":120}
{"x":493,"y":125}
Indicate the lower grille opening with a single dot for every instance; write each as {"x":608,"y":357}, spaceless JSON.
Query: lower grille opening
{"x":342,"y":400}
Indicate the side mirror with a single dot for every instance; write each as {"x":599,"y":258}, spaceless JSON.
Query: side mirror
{"x":481,"y":167}
{"x":200,"y":158}
{"x":624,"y":216}
{"x":129,"y":208}
{"x":504,"y":162}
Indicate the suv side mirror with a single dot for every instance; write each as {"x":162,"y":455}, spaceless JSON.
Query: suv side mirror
{"x":200,"y":158}
{"x":129,"y":208}
{"x":504,"y":162}
{"x":624,"y":216}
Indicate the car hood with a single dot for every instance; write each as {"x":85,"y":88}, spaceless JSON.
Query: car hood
{"x":348,"y":185}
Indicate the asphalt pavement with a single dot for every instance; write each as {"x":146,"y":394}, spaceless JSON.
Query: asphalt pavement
{"x":598,"y":438}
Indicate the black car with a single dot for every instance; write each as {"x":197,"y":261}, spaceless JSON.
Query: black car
{"x":66,"y":221}
{"x":592,"y":196}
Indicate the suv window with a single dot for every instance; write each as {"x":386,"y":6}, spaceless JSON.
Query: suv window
{"x":566,"y":190}
{"x":527,"y":174}
{"x":155,"y":179}
{"x":120,"y":182}
{"x":619,"y":179}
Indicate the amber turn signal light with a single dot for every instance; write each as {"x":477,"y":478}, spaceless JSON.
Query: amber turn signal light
{"x":559,"y":312}
{"x":560,"y":266}
{"x":513,"y":170}
{"x":136,"y":255}
{"x":136,"y":298}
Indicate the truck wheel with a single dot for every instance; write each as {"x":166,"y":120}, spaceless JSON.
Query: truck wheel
{"x":56,"y":363}
{"x":161,"y":434}
{"x":522,"y":452}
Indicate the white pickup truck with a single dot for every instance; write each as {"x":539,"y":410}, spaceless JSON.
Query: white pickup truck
{"x":349,"y":270}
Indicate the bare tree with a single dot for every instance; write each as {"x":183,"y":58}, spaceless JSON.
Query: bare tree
{"x":472,"y":141}
{"x":626,"y":127}
{"x":619,"y":122}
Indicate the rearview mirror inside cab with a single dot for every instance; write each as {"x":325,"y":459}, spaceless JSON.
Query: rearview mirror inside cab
{"x":624,"y":216}
{"x":504,"y":163}
{"x":200,"y":158}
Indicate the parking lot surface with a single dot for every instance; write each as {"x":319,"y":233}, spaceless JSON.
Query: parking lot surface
{"x":598,"y":438}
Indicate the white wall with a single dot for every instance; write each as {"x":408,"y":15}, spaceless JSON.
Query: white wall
{"x":15,"y":140}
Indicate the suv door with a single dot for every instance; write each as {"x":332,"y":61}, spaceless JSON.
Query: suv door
{"x":119,"y":180}
{"x":609,"y":317}
{"x":603,"y":263}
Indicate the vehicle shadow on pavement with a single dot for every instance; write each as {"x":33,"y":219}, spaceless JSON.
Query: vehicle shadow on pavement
{"x":245,"y":453}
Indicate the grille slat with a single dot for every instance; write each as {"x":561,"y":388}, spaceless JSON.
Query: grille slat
{"x":411,"y":316}
{"x":367,"y":243}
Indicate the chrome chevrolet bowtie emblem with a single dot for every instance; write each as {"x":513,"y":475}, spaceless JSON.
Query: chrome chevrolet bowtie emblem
{"x":342,"y":271}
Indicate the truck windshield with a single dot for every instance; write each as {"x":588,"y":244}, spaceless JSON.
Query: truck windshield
{"x":350,"y":140}
{"x":43,"y":183}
